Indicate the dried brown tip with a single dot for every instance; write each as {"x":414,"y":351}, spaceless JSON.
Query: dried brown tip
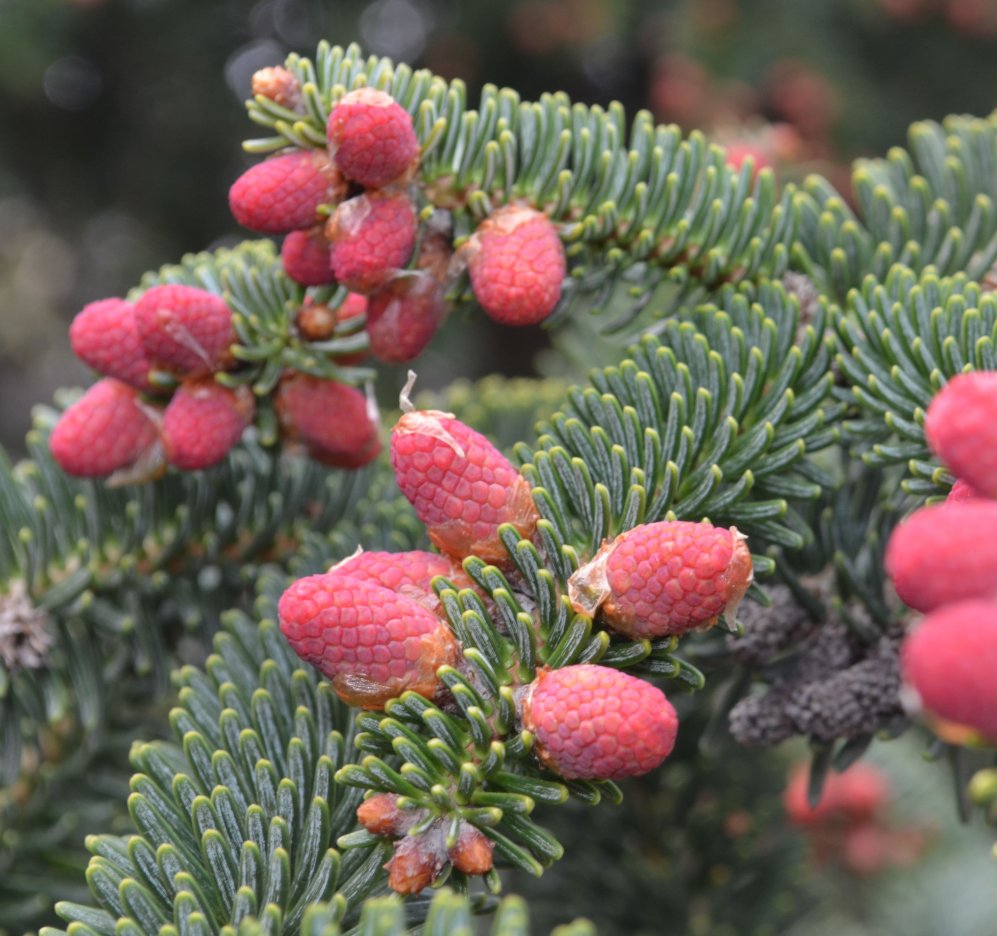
{"x":473,"y":852}
{"x":279,"y":85}
{"x":316,"y":321}
{"x":380,"y":815}
{"x":417,"y":862}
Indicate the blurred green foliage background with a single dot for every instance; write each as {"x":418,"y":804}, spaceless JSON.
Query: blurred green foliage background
{"x":120,"y":119}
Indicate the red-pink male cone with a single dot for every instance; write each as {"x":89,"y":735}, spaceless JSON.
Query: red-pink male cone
{"x":517,"y":266}
{"x":372,"y":643}
{"x":961,"y":428}
{"x":107,"y":430}
{"x":665,"y":578}
{"x":403,"y":316}
{"x":950,"y":662}
{"x":945,"y":553}
{"x":283,"y":193}
{"x":332,"y":420}
{"x":462,"y":487}
{"x":418,"y":859}
{"x":279,"y":85}
{"x":371,"y":138}
{"x":409,"y":573}
{"x":185,"y":329}
{"x":104,"y":335}
{"x":305,"y":255}
{"x":203,"y":421}
{"x":371,"y":238}
{"x":855,"y":796}
{"x":595,"y":723}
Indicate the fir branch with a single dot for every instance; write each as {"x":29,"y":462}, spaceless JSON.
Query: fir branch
{"x":899,"y":341}
{"x":264,"y":303}
{"x":936,"y":203}
{"x":379,"y":518}
{"x":744,"y":389}
{"x":716,"y":418}
{"x":153,"y":589}
{"x":237,"y":817}
{"x":112,"y":570}
{"x":653,"y":217}
{"x":932,"y":205}
{"x":43,"y":823}
{"x":638,"y":205}
{"x":718,"y":414}
{"x":842,"y":566}
{"x":448,"y":915}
